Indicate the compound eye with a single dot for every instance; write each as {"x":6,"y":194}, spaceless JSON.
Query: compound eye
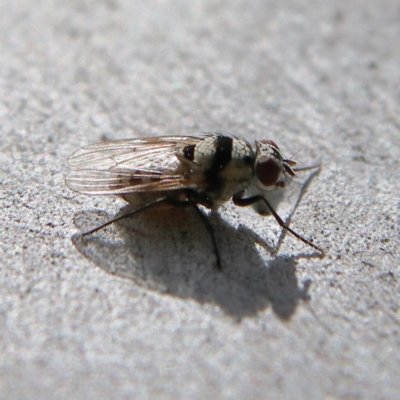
{"x":268,"y":171}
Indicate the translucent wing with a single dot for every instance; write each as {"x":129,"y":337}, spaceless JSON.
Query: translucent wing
{"x":149,"y":153}
{"x":129,"y":166}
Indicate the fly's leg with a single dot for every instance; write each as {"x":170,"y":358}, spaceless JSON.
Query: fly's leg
{"x":129,"y":214}
{"x":210,"y":229}
{"x":192,"y":200}
{"x":244,"y":202}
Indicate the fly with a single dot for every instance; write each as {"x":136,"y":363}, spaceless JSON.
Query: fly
{"x":185,"y":171}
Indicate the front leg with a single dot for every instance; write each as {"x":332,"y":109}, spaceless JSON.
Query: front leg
{"x":240,"y":201}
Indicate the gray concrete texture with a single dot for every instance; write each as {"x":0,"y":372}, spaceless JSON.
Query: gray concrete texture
{"x":137,"y":311}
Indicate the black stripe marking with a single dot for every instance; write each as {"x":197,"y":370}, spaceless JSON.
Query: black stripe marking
{"x":188,"y":152}
{"x":223,"y":152}
{"x":248,"y":160}
{"x":221,"y":158}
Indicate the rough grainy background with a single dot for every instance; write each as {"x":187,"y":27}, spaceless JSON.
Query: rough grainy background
{"x":137,"y":311}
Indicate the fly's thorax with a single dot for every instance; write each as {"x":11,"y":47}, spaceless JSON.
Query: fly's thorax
{"x":271,"y":170}
{"x":225,"y":163}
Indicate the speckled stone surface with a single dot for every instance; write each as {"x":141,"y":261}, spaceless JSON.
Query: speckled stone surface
{"x":137,"y":311}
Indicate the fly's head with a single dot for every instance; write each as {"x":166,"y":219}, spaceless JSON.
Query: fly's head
{"x":271,"y":170}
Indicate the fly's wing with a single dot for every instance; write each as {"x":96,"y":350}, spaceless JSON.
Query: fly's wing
{"x":130,"y":154}
{"x":130,"y":166}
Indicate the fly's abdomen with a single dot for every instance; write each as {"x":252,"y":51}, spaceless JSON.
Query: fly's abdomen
{"x":139,"y":200}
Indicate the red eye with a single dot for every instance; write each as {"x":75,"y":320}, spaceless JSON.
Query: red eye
{"x":268,"y":172}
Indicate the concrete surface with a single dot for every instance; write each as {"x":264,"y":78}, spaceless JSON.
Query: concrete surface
{"x":137,"y":311}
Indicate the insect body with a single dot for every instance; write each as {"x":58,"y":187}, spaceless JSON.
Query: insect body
{"x":184,"y":171}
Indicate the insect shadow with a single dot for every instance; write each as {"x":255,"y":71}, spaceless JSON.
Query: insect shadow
{"x":171,"y":252}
